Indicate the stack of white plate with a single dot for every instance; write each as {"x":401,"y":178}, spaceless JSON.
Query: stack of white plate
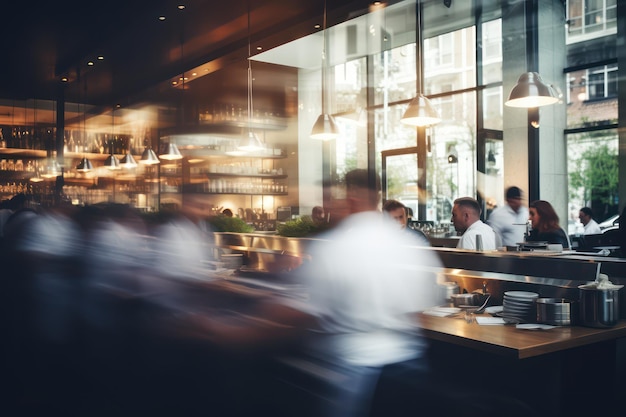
{"x":520,"y":305}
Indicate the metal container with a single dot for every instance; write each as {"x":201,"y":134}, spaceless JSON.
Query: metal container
{"x":599,"y":307}
{"x":449,"y":288}
{"x":557,"y":311}
{"x":466,"y":299}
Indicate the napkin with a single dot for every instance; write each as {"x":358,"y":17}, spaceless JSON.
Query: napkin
{"x":489,"y":321}
{"x":442,"y":311}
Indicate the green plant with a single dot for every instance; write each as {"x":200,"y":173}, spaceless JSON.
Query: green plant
{"x":223,"y":223}
{"x":299,"y":227}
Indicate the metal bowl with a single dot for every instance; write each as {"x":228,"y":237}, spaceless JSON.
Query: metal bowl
{"x":557,"y":311}
{"x":465,"y":299}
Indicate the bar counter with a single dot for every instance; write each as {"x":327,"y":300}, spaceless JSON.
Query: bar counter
{"x":507,"y":340}
{"x":563,"y":371}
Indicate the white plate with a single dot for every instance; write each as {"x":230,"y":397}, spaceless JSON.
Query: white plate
{"x":449,"y":310}
{"x":528,"y":326}
{"x":521,"y":294}
{"x":528,"y":302}
{"x":490,"y":320}
{"x":441,"y":311}
{"x":494,"y":309}
{"x":508,"y":307}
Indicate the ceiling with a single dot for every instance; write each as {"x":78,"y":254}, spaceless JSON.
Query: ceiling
{"x":44,"y":41}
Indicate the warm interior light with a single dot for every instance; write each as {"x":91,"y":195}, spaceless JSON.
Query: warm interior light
{"x":325,"y":128}
{"x":112,"y":163}
{"x":420,"y":113}
{"x":128,"y":161}
{"x":252,"y":144}
{"x":530,"y":91}
{"x":172,"y":153}
{"x":84,"y":165}
{"x":148,"y":157}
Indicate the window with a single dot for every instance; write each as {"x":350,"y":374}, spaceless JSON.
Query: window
{"x":592,"y":96}
{"x":602,"y":82}
{"x":440,"y":50}
{"x":590,"y":18}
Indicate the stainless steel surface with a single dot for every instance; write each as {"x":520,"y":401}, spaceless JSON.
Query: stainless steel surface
{"x":550,"y":275}
{"x":465,"y":299}
{"x":557,"y":311}
{"x":599,"y":307}
{"x":449,"y":288}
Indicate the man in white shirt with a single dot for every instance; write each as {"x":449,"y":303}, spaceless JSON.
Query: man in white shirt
{"x":466,"y":220}
{"x":509,"y":221}
{"x":366,"y":279}
{"x":586,"y":218}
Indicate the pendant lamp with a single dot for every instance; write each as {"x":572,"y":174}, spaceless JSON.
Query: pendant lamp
{"x":149,"y":157}
{"x":420,"y":112}
{"x":85,"y":164}
{"x":111,"y":162}
{"x":251,"y":142}
{"x":171,"y":153}
{"x":128,"y":161}
{"x":325,"y":127}
{"x":530,"y":91}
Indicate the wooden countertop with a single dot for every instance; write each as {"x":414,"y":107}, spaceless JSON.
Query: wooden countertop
{"x":506,"y":340}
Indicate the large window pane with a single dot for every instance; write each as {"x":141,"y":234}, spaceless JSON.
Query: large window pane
{"x":394,"y":74}
{"x":450,"y":61}
{"x":593,"y":174}
{"x":492,"y":51}
{"x":454,"y":136}
{"x":492,"y":108}
{"x":390,"y":133}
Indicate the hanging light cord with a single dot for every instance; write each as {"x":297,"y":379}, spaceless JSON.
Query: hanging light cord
{"x":250,"y":102}
{"x":324,"y":61}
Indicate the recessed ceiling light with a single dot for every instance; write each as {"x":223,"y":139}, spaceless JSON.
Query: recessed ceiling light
{"x":259,"y":48}
{"x":161,"y":18}
{"x":64,"y":79}
{"x":317,"y":26}
{"x":90,"y":63}
{"x":181,"y":6}
{"x":193,"y":74}
{"x":174,"y":82}
{"x":100,"y":57}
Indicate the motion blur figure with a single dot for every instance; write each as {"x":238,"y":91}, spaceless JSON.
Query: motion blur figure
{"x":365,"y":281}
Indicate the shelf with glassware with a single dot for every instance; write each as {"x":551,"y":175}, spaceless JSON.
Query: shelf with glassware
{"x":236,"y":115}
{"x":19,"y":172}
{"x":243,"y":175}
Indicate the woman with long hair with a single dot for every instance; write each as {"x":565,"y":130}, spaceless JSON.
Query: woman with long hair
{"x":545,"y":224}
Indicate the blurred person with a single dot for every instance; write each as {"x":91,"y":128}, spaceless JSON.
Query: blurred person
{"x":591,"y":227}
{"x":466,"y":220}
{"x":397,"y":211}
{"x":41,"y":286}
{"x":545,"y":224}
{"x":491,"y":204}
{"x":227,"y":212}
{"x":8,"y":207}
{"x":318,"y":215}
{"x":365,"y":280}
{"x":509,"y":221}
